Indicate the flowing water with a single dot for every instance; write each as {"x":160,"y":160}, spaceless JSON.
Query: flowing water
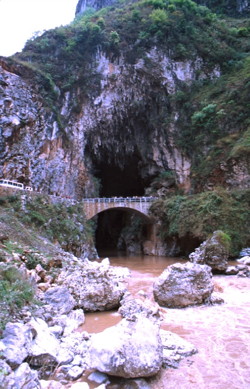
{"x":221,"y":333}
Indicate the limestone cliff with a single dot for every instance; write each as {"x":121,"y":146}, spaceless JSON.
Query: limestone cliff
{"x":33,"y":149}
{"x":82,"y":5}
{"x":113,"y":127}
{"x":135,"y":100}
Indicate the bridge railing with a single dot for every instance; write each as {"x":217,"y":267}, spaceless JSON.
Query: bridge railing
{"x":144,"y":199}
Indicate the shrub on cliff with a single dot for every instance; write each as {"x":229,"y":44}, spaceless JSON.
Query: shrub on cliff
{"x":185,"y":29}
{"x":62,"y":223}
{"x":200,"y":214}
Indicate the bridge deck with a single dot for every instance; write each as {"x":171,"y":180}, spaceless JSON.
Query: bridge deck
{"x":120,"y":199}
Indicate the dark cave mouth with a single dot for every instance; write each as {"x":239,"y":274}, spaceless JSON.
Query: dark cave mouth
{"x":118,"y":229}
{"x":120,"y":180}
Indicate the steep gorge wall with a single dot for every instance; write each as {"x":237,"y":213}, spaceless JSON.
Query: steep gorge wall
{"x":32,"y":147}
{"x":124,"y":133}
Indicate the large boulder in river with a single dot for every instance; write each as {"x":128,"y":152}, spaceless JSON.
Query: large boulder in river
{"x":95,"y":286}
{"x":213,"y":252}
{"x":129,"y":349}
{"x":181,"y":285}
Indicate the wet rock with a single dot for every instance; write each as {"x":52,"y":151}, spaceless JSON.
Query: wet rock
{"x":131,"y":308}
{"x":244,"y":260}
{"x":60,"y":300}
{"x":216,"y":298}
{"x":98,"y":378}
{"x":175,"y":348}
{"x":95,"y":286}
{"x":213,"y":252}
{"x":131,"y":349}
{"x":240,"y":270}
{"x":181,"y":285}
{"x":16,"y":343}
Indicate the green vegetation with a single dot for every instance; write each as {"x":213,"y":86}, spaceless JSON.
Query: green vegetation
{"x":224,"y":239}
{"x":221,"y":6}
{"x":184,"y":28}
{"x":214,"y":120}
{"x":201,"y":214}
{"x":65,"y":224}
{"x":59,"y":222}
{"x":16,"y":291}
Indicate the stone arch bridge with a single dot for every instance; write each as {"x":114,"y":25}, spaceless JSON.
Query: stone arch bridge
{"x":93,"y":206}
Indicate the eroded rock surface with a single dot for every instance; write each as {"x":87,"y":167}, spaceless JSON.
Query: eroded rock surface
{"x":95,"y":286}
{"x":213,"y":252}
{"x":130,"y":349}
{"x":181,"y":285}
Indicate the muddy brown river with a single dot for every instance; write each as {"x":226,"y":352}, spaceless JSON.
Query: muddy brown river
{"x":221,"y":333}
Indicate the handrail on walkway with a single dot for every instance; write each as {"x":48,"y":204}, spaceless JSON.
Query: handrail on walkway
{"x":135,"y":199}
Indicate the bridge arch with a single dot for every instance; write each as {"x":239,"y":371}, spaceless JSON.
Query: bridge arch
{"x":140,"y":205}
{"x":121,"y":223}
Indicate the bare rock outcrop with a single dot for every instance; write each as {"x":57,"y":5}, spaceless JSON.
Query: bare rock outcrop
{"x":95,"y":286}
{"x":134,"y":307}
{"x":182,"y":285}
{"x":16,"y":343}
{"x":213,"y":252}
{"x":59,"y":300}
{"x":131,"y":349}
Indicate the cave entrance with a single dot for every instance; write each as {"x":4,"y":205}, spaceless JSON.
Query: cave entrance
{"x":120,"y":230}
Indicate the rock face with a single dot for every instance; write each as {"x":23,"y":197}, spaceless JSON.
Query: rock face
{"x":213,"y":252}
{"x":130,"y":349}
{"x":27,"y":126}
{"x":181,"y":285}
{"x":16,"y":343}
{"x":59,"y":300}
{"x":82,"y":5}
{"x":49,"y":165}
{"x":95,"y":286}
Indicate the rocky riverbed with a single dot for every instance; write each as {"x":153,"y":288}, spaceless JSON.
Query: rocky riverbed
{"x":42,"y":347}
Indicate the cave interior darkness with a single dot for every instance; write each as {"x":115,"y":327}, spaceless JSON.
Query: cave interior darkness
{"x":119,"y":181}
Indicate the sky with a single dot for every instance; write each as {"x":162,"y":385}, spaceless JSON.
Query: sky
{"x":20,"y":19}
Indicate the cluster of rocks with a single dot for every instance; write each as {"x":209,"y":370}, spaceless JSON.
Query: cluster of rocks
{"x":48,"y":343}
